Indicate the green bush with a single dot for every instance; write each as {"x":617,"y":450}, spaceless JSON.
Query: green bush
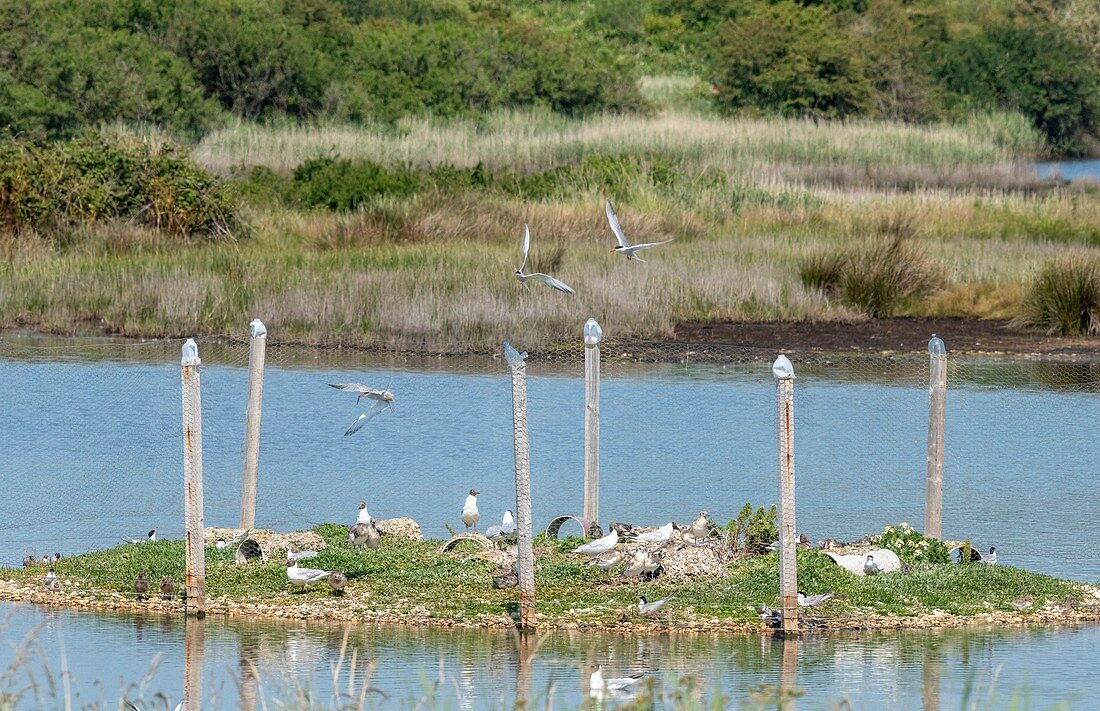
{"x":343,"y":185}
{"x":877,"y":277}
{"x":911,"y":546}
{"x":1065,"y":297}
{"x":92,"y":179}
{"x":791,"y":60}
{"x":752,"y":531}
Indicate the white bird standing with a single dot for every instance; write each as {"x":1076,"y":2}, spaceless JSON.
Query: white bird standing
{"x":990,"y":559}
{"x":364,"y":516}
{"x":507,"y":527}
{"x":812,"y":600}
{"x":470,"y":513}
{"x":870,"y":567}
{"x":631,"y":251}
{"x":49,"y":578}
{"x":598,"y":684}
{"x":537,"y":276}
{"x":700,"y":527}
{"x":658,"y":537}
{"x":598,"y":546}
{"x":648,"y":608}
{"x":304,"y":576}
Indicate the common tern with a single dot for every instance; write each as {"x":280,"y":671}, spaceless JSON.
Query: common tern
{"x":991,"y":559}
{"x":151,"y":537}
{"x":598,"y":546}
{"x":292,"y":554}
{"x":700,"y":527}
{"x":812,"y":600}
{"x":631,"y":251}
{"x":598,"y":684}
{"x":304,"y":576}
{"x":384,"y":397}
{"x":537,"y":276}
{"x":141,"y":585}
{"x":657,"y":537}
{"x":470,"y":514}
{"x":648,"y":608}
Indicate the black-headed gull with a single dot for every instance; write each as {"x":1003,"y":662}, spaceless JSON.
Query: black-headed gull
{"x":598,"y":684}
{"x":470,"y":514}
{"x":598,"y":546}
{"x":304,"y":576}
{"x":625,"y":247}
{"x":506,"y":528}
{"x":648,"y":608}
{"x":537,"y":276}
{"x":49,"y":578}
{"x":363,"y":516}
{"x":658,"y":537}
{"x":991,"y":559}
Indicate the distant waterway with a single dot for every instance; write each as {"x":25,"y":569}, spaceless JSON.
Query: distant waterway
{"x":1069,"y":170}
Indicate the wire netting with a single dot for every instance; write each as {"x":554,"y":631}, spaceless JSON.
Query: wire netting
{"x":93,"y":452}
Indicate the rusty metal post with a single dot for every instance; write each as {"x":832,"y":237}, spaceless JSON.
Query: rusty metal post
{"x":593,"y":334}
{"x":194,"y":641}
{"x":937,"y":401}
{"x":788,"y":569}
{"x":525,"y":559}
{"x":192,"y":480}
{"x":256,"y":352}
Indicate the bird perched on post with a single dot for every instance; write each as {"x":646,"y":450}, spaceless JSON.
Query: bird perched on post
{"x":648,"y":608}
{"x":141,"y":585}
{"x":167,"y":588}
{"x":470,"y":514}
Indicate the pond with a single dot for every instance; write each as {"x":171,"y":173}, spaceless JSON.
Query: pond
{"x":1069,"y":170}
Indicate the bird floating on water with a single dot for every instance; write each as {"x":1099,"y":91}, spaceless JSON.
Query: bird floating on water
{"x":597,"y":683}
{"x":598,"y":546}
{"x":538,"y":276}
{"x":631,"y":251}
{"x":470,"y":514}
{"x":648,"y":608}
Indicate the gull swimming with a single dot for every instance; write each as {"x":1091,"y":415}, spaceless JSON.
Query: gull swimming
{"x":648,"y":608}
{"x":608,"y":560}
{"x":470,"y":514}
{"x":658,"y":537}
{"x":625,"y":247}
{"x":870,"y":567}
{"x":538,"y":276}
{"x":304,"y":576}
{"x":812,"y":600}
{"x":598,"y":684}
{"x":598,"y":546}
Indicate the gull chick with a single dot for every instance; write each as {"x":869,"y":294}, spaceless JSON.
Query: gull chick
{"x":608,"y":560}
{"x":337,"y":580}
{"x":470,"y":513}
{"x":598,"y":546}
{"x":700,"y":527}
{"x":648,"y":608}
{"x":141,"y":585}
{"x":167,"y":588}
{"x":658,"y":537}
{"x":537,"y":276}
{"x":637,"y":564}
{"x":631,"y":251}
{"x":364,"y":534}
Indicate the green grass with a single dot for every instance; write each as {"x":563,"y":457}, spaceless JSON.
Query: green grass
{"x":403,"y":575}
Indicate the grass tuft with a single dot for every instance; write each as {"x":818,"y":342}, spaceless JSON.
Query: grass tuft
{"x":1065,"y":297}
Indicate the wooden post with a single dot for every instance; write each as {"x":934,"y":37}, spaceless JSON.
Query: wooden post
{"x":788,"y":569}
{"x":192,"y":480}
{"x":525,"y":559}
{"x":194,"y":641}
{"x":593,"y":334}
{"x":937,"y":400}
{"x":256,"y":352}
{"x":788,"y":675}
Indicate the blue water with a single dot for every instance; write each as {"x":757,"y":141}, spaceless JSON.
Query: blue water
{"x":1070,"y":170}
{"x":478,"y":669}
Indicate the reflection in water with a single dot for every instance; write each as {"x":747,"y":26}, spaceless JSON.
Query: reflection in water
{"x":330,"y":666}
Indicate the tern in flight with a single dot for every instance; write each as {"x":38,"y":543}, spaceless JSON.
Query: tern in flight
{"x":382,"y":398}
{"x":539,"y":276}
{"x":631,"y":251}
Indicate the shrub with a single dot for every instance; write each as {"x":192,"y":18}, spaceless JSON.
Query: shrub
{"x":793,"y":60}
{"x":344,"y":185}
{"x":752,"y":531}
{"x":1065,"y":297}
{"x":91,"y":179}
{"x":877,"y":277}
{"x":912,"y":546}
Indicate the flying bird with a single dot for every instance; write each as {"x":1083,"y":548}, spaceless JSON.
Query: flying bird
{"x":658,"y":537}
{"x":598,"y":546}
{"x":537,"y":276}
{"x":631,"y":251}
{"x":470,"y":514}
{"x":648,"y":608}
{"x":382,"y":399}
{"x":812,"y":600}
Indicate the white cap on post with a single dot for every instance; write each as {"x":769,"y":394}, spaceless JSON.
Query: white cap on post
{"x":936,"y":348}
{"x":257,"y":328}
{"x":190,"y":353}
{"x":513,"y":356}
{"x":782,"y":368}
{"x":593,"y":334}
